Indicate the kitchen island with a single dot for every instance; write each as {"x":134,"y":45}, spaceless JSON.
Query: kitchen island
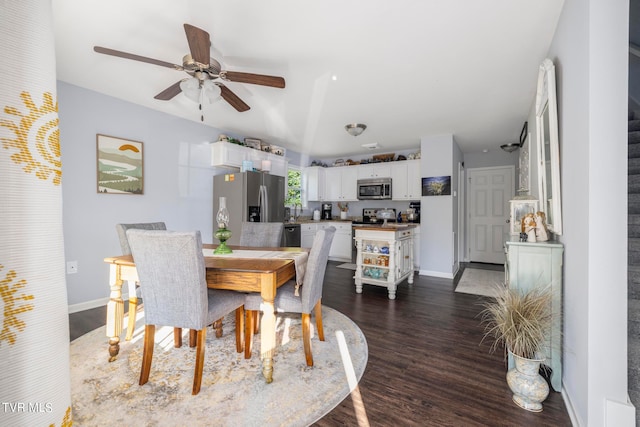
{"x":384,"y":256}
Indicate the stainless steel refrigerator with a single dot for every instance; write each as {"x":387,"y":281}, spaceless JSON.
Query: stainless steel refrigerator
{"x":251,"y":196}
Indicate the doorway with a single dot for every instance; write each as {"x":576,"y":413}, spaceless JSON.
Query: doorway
{"x":489,"y":192}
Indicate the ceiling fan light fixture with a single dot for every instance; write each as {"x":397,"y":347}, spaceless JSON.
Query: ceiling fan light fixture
{"x":355,"y":129}
{"x":210,"y":90}
{"x":191,"y":89}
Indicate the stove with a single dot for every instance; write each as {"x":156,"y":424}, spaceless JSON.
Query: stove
{"x":369,"y":217}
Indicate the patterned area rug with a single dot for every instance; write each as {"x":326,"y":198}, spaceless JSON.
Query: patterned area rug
{"x":233,"y":392}
{"x":481,"y":282}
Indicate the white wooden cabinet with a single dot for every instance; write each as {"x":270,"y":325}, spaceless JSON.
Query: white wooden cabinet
{"x":342,"y":239}
{"x":314,"y":183}
{"x":416,"y":248}
{"x":341,"y":184}
{"x":384,"y":257}
{"x":530,"y":265}
{"x":405,"y":180}
{"x":226,"y":154}
{"x":376,"y":170}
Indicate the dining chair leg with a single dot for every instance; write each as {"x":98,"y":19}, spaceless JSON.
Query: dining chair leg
{"x":177,"y":337}
{"x":306,"y":337}
{"x":256,"y":321}
{"x":217,"y":326}
{"x":147,"y":353}
{"x":248,"y":333}
{"x":200,"y":347}
{"x":239,"y":329}
{"x":193,"y":337}
{"x":318,"y":313}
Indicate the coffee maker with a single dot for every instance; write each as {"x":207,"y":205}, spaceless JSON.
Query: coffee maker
{"x":326,"y":210}
{"x":413,"y":213}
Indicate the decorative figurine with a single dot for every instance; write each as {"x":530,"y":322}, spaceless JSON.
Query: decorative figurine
{"x":542,"y":234}
{"x":529,"y":227}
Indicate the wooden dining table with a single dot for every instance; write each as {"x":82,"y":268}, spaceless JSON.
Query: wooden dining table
{"x":263,"y":275}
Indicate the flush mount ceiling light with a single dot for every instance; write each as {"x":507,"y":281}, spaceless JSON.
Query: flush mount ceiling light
{"x":513,"y":146}
{"x":510,"y":147}
{"x":355,"y":129}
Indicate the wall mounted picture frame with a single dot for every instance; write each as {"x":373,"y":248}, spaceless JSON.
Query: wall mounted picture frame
{"x":436,"y":186}
{"x":119,"y":165}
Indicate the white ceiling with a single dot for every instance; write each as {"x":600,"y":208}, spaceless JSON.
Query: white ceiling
{"x":406,"y":69}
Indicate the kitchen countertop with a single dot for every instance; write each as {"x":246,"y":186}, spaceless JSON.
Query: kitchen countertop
{"x":311,"y":221}
{"x":389,"y":227}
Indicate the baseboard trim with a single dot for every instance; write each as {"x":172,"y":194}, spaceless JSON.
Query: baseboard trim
{"x":575,"y":421}
{"x":88,"y":305}
{"x":436,"y":274}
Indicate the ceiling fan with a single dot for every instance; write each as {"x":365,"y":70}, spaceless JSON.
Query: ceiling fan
{"x":206,"y":73}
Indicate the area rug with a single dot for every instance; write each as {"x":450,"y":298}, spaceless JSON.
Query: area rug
{"x":481,"y":282}
{"x":233,"y":393}
{"x":347,"y":265}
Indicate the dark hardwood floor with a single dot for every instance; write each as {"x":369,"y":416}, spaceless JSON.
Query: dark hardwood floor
{"x":427,"y":365}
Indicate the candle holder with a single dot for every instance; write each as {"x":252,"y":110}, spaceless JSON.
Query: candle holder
{"x":222,"y":234}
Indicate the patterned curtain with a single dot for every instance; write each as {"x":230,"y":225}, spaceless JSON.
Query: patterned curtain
{"x":34,"y":336}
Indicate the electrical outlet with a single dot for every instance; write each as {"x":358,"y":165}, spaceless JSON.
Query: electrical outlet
{"x":72,"y":267}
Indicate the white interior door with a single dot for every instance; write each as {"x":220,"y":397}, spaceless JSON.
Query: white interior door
{"x":490,"y":190}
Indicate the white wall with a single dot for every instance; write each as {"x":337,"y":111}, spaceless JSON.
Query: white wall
{"x":436,"y":212}
{"x":589,"y":50}
{"x":177,"y":182}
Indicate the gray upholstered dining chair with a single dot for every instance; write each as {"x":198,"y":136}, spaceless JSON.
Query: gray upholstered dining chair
{"x":134,"y":286}
{"x":309,"y":299}
{"x":261,"y":234}
{"x":171,"y":270}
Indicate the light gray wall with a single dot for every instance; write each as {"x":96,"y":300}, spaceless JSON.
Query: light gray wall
{"x":436,"y":216}
{"x":177,"y":181}
{"x":590,"y":50}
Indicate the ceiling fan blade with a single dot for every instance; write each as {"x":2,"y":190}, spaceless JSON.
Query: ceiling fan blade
{"x":126,"y":55}
{"x":199,"y":44}
{"x":256,"y":79}
{"x":232,"y":98}
{"x":169,"y":92}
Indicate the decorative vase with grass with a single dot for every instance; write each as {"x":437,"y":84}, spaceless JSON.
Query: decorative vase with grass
{"x":344,"y":209}
{"x":520,"y":321}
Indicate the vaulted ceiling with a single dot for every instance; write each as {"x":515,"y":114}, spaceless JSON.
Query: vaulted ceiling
{"x":406,"y":69}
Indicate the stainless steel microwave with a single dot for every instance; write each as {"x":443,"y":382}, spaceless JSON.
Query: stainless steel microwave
{"x":374,"y":189}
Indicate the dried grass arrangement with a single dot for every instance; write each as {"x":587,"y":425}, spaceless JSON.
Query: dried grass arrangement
{"x":519,"y":321}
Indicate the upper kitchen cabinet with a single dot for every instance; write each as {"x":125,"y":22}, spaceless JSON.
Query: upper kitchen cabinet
{"x":226,"y":154}
{"x":406,"y":180}
{"x":341,"y":184}
{"x":314,"y":183}
{"x":374,"y":171}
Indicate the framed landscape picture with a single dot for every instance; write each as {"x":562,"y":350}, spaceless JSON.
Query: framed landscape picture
{"x":436,"y":186}
{"x":119,"y":165}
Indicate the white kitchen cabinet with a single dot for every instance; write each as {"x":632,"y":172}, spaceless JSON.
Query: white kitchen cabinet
{"x":342,"y":239}
{"x":341,"y":184}
{"x":228,"y":155}
{"x":375,"y":170}
{"x":416,"y":248}
{"x":539,"y":264}
{"x":406,"y":181}
{"x":314,"y":183}
{"x":384,"y":257}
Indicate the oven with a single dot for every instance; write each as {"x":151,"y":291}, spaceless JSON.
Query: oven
{"x":374,"y":189}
